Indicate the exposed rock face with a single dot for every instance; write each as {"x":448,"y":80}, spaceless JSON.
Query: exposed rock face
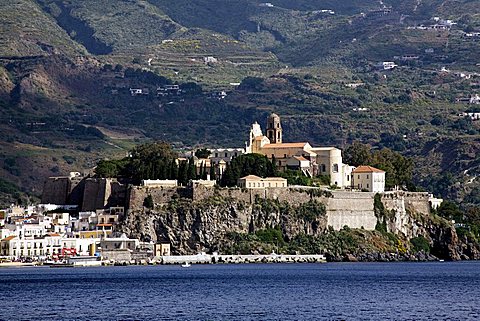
{"x":411,"y":216}
{"x":191,"y":227}
{"x":194,"y":221}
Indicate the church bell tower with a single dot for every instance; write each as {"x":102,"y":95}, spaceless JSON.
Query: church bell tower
{"x":274,"y":129}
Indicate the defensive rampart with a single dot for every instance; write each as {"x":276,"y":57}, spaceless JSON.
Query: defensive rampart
{"x":353,"y":209}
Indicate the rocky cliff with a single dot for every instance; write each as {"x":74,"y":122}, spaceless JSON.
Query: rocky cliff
{"x":220,"y":220}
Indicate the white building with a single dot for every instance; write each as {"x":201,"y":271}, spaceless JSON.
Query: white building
{"x":45,"y":246}
{"x":224,"y":154}
{"x":160,"y":182}
{"x":210,"y":60}
{"x":368,"y":178}
{"x":386,"y":65}
{"x":434,"y":202}
{"x":119,"y":243}
{"x":255,"y":182}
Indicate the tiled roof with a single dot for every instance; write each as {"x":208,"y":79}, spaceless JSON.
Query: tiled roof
{"x":367,"y":169}
{"x":9,"y":238}
{"x":251,"y":177}
{"x":285,"y":145}
{"x":300,"y":158}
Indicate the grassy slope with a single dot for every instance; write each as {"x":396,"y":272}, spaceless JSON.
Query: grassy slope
{"x":28,"y":31}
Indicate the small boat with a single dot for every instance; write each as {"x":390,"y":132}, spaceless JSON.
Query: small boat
{"x":186,"y":265}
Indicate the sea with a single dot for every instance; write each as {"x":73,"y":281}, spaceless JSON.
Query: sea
{"x":328,"y":291}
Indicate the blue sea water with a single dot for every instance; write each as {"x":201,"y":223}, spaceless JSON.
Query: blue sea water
{"x":332,"y":291}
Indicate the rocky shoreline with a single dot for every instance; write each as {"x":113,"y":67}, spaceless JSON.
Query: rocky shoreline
{"x":383,"y":257}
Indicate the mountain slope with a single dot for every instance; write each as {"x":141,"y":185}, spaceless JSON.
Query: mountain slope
{"x":28,"y":31}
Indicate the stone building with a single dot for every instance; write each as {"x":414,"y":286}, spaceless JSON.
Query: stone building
{"x":312,"y":161}
{"x":368,"y":178}
{"x":252,"y":181}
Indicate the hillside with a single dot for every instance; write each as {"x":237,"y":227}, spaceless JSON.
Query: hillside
{"x":66,"y":69}
{"x":28,"y":31}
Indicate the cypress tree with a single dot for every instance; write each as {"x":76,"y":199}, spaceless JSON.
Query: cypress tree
{"x":212,"y":172}
{"x":174,"y":170}
{"x":204,"y":171}
{"x":191,"y":171}
{"x":183,"y":173}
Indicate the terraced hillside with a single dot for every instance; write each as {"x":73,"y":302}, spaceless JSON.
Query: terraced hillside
{"x":67,"y":67}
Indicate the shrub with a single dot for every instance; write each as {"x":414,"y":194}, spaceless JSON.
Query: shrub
{"x":148,"y":202}
{"x":420,"y":243}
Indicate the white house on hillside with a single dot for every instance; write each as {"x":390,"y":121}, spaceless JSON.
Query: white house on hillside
{"x":368,"y":178}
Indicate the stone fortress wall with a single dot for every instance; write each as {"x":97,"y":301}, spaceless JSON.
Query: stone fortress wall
{"x":353,"y":209}
{"x":344,"y":208}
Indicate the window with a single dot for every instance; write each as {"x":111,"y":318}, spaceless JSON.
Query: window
{"x":226,"y":154}
{"x":216,"y":154}
{"x":358,"y":176}
{"x":367,"y":176}
{"x":367,"y":185}
{"x":284,"y":155}
{"x":324,"y":168}
{"x":335,"y":168}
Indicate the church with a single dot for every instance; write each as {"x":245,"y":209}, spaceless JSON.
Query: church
{"x":312,"y":161}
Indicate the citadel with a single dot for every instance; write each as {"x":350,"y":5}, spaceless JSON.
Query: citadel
{"x":84,"y":215}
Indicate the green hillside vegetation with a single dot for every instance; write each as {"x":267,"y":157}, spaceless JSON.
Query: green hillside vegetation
{"x":71,"y":107}
{"x":28,"y":31}
{"x":122,"y":25}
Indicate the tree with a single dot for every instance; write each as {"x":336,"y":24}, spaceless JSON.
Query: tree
{"x":174,"y":170}
{"x":202,"y":153}
{"x":247,"y":164}
{"x":111,"y":168}
{"x":213,"y":175}
{"x":148,"y":202}
{"x":357,"y":154}
{"x":204,"y":171}
{"x":151,"y":161}
{"x":398,"y":169}
{"x":191,"y":169}
{"x":183,"y":173}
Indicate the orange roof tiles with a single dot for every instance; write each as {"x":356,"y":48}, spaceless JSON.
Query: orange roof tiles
{"x":285,"y":145}
{"x":300,"y":158}
{"x":367,"y":169}
{"x":9,"y":238}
